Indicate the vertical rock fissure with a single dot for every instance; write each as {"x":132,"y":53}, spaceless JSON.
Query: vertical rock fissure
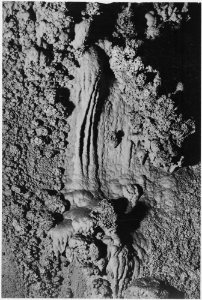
{"x":87,"y":157}
{"x":83,"y":132}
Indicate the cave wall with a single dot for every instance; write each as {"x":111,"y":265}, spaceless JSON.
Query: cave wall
{"x":101,"y":131}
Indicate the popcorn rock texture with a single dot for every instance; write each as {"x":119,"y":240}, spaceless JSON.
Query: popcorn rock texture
{"x":101,"y":163}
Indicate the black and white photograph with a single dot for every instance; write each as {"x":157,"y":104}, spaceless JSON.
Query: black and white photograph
{"x":101,"y":149}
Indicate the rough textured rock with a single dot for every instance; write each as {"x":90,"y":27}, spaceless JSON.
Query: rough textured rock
{"x":12,"y":283}
{"x":146,"y":288}
{"x":101,"y":164}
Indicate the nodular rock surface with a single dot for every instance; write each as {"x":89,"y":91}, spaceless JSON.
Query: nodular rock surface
{"x":101,"y":150}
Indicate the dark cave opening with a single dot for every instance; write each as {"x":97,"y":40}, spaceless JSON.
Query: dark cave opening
{"x":129,"y":222}
{"x":176,"y":55}
{"x":62,"y":96}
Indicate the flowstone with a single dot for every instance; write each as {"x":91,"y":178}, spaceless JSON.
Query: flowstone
{"x":89,"y":234}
